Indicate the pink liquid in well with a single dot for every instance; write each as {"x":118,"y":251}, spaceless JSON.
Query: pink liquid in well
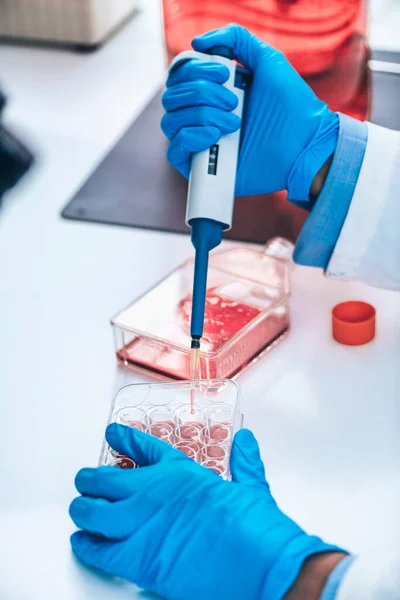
{"x":189,"y":439}
{"x":191,"y":449}
{"x":214,"y":451}
{"x":219,"y":432}
{"x":215,"y":466}
{"x":190,"y":432}
{"x":161,"y":430}
{"x":136,"y":425}
{"x":213,"y":456}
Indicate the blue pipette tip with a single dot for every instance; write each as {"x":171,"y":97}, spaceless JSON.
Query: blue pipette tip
{"x":206,"y":235}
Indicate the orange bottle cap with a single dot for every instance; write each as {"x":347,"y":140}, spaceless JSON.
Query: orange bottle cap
{"x":353,"y":323}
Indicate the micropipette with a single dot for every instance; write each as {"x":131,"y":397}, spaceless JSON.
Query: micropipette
{"x":211,"y":192}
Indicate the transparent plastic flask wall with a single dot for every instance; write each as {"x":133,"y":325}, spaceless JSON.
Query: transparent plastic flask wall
{"x":325,"y":40}
{"x":246,"y":315}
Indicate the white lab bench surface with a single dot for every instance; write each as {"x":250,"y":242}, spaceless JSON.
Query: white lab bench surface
{"x":327,"y":417}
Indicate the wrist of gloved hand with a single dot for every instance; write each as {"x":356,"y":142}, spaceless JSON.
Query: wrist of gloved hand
{"x":314,"y":576}
{"x":319,"y":180}
{"x":315,"y":155}
{"x":291,"y":562}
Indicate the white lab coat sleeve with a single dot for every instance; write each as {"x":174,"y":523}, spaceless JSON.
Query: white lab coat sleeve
{"x":373,"y":577}
{"x":368,"y":247}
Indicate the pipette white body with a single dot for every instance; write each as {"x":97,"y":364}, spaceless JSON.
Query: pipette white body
{"x":211,"y":192}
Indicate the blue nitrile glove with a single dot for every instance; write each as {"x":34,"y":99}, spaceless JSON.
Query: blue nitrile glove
{"x":177,"y":529}
{"x":287,"y":132}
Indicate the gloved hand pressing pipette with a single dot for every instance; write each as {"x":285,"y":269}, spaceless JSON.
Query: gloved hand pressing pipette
{"x":287,"y":135}
{"x":180,"y":531}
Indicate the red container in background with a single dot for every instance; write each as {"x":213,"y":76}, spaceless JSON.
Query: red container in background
{"x":325,"y":40}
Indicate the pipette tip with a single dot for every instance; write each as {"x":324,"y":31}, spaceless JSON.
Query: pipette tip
{"x":195,"y":343}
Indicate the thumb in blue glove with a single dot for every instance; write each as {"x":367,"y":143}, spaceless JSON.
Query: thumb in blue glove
{"x":287,"y":132}
{"x":180,"y":531}
{"x":245,"y":462}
